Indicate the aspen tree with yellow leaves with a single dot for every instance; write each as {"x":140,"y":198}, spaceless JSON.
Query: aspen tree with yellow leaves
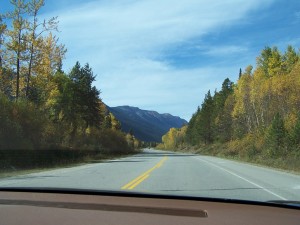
{"x":41,"y":106}
{"x":257,"y":119}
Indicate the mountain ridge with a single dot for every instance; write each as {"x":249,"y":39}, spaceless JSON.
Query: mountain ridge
{"x":146,"y":125}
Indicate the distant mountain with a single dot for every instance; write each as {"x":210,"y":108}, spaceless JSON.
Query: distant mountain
{"x":146,"y":125}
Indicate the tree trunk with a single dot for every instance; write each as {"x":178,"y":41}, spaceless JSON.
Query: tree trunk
{"x":29,"y":70}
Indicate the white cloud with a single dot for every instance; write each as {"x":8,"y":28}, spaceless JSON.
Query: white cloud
{"x":172,"y":90}
{"x":225,"y":50}
{"x":122,"y":41}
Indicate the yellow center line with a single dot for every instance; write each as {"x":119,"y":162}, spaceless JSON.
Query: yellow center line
{"x":132,"y":184}
{"x":139,"y":181}
{"x":161,"y":162}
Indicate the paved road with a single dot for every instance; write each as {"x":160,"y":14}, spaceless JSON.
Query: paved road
{"x":171,"y":173}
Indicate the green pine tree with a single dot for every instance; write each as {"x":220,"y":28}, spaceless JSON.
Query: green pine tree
{"x":276,"y":136}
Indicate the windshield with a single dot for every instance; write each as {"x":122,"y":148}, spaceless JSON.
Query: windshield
{"x":188,"y":98}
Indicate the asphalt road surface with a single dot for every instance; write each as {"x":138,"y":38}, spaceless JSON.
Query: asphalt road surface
{"x":163,"y":172}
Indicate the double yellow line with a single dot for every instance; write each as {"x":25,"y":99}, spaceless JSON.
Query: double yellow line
{"x":132,"y":184}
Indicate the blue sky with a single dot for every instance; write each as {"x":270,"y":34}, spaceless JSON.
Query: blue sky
{"x":164,"y":55}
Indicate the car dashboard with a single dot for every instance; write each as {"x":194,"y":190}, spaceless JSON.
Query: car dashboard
{"x":71,"y":207}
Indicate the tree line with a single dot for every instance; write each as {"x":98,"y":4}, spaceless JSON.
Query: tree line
{"x":256,"y":117}
{"x":41,"y":106}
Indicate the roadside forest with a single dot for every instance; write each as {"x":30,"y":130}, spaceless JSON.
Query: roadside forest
{"x":256,"y":119}
{"x":43,"y":107}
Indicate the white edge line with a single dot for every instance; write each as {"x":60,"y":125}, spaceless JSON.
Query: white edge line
{"x":242,"y":178}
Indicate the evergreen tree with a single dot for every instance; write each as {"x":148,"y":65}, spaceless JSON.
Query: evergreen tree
{"x":240,"y":73}
{"x":290,"y":58}
{"x":263,"y":60}
{"x":276,"y":135}
{"x":222,"y":115}
{"x":295,"y":135}
{"x":89,"y":98}
{"x":191,"y":133}
{"x":78,"y":102}
{"x":205,"y":120}
{"x":275,"y":63}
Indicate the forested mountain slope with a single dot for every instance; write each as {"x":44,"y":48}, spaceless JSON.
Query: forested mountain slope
{"x":145,"y":125}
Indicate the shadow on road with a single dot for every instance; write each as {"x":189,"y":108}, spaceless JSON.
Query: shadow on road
{"x":162,"y":154}
{"x":124,"y":161}
{"x":26,"y":177}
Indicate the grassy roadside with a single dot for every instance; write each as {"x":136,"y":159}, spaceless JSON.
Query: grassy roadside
{"x":21,"y":166}
{"x":289,"y":163}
